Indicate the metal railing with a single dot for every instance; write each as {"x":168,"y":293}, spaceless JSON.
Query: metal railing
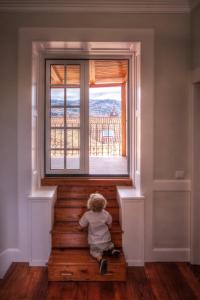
{"x":104,"y":136}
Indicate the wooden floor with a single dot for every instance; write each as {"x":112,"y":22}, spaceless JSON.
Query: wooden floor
{"x":163,"y":281}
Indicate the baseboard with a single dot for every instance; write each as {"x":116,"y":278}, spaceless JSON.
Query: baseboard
{"x":135,"y":263}
{"x":6,"y":258}
{"x":171,"y":254}
{"x":38,"y":263}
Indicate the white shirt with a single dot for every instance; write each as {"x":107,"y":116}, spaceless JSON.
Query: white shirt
{"x":98,"y":231}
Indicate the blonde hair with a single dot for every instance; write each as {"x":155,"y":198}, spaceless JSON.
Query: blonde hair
{"x":96,"y":202}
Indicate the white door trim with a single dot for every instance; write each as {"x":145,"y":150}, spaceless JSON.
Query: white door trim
{"x":30,"y":169}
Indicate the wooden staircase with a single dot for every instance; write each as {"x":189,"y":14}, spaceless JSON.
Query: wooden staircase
{"x":70,"y":259}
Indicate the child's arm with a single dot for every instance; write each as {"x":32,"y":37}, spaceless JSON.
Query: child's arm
{"x":80,"y":228}
{"x":83,"y":223}
{"x":109,"y":221}
{"x":109,"y":226}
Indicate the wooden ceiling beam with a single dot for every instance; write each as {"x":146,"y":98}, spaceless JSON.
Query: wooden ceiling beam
{"x":96,"y":85}
{"x":92,"y":73}
{"x":56,"y":75}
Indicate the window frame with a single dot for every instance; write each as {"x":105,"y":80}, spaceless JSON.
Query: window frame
{"x":84,"y":161}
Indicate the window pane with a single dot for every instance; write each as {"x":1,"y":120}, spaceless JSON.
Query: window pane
{"x":57,"y":97}
{"x":73,"y":159}
{"x":73,"y":96}
{"x":73,"y":138}
{"x":57,"y":117}
{"x":73,"y":117}
{"x":73,"y":74}
{"x":57,"y":74}
{"x":57,"y":159}
{"x":57,"y":138}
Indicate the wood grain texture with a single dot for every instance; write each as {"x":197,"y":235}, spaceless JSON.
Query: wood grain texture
{"x":69,"y":235}
{"x":78,"y":265}
{"x":30,"y":283}
{"x":88,"y":181}
{"x":66,"y":234}
{"x":80,"y":192}
{"x":71,"y":214}
{"x":81,"y":203}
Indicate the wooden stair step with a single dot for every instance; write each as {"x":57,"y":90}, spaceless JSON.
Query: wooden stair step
{"x":86,"y":181}
{"x":78,"y":265}
{"x":68,"y":235}
{"x":75,"y":213}
{"x":80,"y":192}
{"x":74,"y":227}
{"x":81,"y":203}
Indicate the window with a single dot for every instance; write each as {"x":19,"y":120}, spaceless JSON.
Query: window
{"x":86,"y":117}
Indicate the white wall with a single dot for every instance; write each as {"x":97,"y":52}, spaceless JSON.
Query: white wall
{"x":172,"y":63}
{"x":195,"y":126}
{"x":195,"y":25}
{"x":8,"y":137}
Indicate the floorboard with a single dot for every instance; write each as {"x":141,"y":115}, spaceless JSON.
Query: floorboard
{"x":156,"y":281}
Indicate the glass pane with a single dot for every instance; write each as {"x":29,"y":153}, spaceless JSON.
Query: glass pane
{"x":57,"y":97}
{"x":57,"y":74}
{"x":73,"y":159}
{"x":73,"y":138}
{"x":73,"y":117}
{"x":73,"y":74}
{"x":73,"y":96}
{"x":57,"y":138}
{"x":57,"y":117}
{"x":57,"y":159}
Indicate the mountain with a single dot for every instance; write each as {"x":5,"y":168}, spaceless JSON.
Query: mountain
{"x":97,"y":108}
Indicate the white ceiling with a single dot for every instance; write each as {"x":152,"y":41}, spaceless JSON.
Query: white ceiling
{"x":100,"y":5}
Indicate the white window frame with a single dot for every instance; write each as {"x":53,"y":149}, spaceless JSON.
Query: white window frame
{"x":83,"y":115}
{"x":78,"y":58}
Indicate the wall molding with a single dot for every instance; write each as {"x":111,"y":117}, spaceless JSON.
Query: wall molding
{"x":135,"y":263}
{"x":172,"y":185}
{"x":38,"y":263}
{"x":6,"y":258}
{"x":27,"y":38}
{"x":195,"y":75}
{"x":171,"y":254}
{"x":41,"y":216}
{"x":136,"y":6}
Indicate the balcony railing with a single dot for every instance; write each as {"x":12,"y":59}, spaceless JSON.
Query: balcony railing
{"x":104,"y":136}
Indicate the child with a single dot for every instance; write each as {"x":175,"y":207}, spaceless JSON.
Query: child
{"x":99,"y":222}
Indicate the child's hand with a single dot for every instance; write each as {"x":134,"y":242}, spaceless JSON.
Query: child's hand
{"x":80,"y":228}
{"x":109,"y":226}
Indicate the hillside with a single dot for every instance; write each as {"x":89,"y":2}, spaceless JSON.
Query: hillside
{"x":96,"y":107}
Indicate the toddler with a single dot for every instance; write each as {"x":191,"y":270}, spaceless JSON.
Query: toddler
{"x":99,"y":221}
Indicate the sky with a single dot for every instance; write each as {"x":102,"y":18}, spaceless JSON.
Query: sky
{"x":95,"y":93}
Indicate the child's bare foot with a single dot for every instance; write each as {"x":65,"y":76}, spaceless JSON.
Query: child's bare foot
{"x":103,"y":266}
{"x":112,"y":252}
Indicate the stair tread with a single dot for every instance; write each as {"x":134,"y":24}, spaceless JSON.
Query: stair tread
{"x":89,"y":181}
{"x":70,"y":259}
{"x":73,"y":227}
{"x":81,"y":203}
{"x":79,"y":257}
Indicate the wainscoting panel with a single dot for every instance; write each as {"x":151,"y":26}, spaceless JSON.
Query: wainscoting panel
{"x":171,"y":223}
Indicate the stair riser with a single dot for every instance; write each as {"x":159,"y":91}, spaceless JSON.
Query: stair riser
{"x":86,"y":273}
{"x":66,"y":240}
{"x":70,"y":259}
{"x":79,"y":192}
{"x":74,"y":214}
{"x":81,"y":203}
